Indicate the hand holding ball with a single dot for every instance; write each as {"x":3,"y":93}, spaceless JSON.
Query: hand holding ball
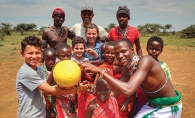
{"x":66,"y":73}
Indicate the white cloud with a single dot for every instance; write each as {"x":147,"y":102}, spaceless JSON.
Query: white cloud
{"x":179,"y":13}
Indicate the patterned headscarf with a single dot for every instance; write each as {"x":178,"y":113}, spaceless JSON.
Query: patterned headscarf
{"x":58,"y":10}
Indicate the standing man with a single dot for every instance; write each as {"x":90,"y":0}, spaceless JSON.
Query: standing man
{"x":163,"y":100}
{"x":124,"y":30}
{"x":56,"y":34}
{"x":87,"y":15}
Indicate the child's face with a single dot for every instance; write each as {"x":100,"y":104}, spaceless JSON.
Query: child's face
{"x":102,"y":50}
{"x":103,"y":90}
{"x":91,"y":35}
{"x":117,"y":68}
{"x":50,"y":59}
{"x":109,"y":54}
{"x":32,"y":55}
{"x":78,"y":50}
{"x":154,"y":49}
{"x":64,"y":54}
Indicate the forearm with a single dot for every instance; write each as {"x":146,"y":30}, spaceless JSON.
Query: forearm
{"x":59,"y":91}
{"x":139,"y":52}
{"x":55,"y":90}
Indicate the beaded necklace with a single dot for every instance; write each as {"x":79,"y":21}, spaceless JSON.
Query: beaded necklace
{"x":123,"y":32}
{"x":58,"y":34}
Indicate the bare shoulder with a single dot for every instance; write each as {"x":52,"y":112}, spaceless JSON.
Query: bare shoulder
{"x":92,"y":105}
{"x":146,"y":58}
{"x":47,"y":30}
{"x":146,"y":61}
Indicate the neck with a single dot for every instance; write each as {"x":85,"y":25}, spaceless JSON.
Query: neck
{"x":57,"y":26}
{"x":86,"y":24}
{"x":123,"y":27}
{"x":48,"y":69}
{"x":91,"y":45}
{"x":78,"y":58}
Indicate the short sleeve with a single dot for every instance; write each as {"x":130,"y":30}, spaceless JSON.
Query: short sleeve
{"x":31,"y":79}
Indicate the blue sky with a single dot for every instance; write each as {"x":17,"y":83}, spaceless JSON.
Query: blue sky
{"x":179,"y":13}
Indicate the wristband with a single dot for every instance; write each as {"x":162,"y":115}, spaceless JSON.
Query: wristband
{"x":102,"y":73}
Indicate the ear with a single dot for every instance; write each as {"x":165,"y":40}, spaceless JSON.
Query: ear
{"x":92,"y":15}
{"x":146,"y":48}
{"x":22,"y":53}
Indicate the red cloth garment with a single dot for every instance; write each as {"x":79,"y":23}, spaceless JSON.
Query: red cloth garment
{"x":109,"y":68}
{"x":132,"y":34}
{"x":83,"y":100}
{"x":58,"y":10}
{"x":120,"y":99}
{"x":108,"y":109}
{"x":63,"y":107}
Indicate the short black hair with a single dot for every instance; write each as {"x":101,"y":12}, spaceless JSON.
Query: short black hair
{"x":124,"y":40}
{"x":46,"y":50}
{"x":30,"y":40}
{"x":157,"y":39}
{"x":62,"y":46}
{"x":77,"y":40}
{"x":111,"y":43}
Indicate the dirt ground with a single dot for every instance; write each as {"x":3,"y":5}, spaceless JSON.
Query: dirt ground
{"x":180,"y":60}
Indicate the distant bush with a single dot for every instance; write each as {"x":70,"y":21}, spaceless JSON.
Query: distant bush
{"x":189,"y":32}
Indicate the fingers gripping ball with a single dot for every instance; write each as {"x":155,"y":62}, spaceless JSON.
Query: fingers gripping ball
{"x":66,"y":73}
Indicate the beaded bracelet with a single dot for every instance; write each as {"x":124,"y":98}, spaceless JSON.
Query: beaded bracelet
{"x":102,"y":73}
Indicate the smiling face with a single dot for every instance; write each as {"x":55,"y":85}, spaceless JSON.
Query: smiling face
{"x":122,"y":20}
{"x":109,"y":53}
{"x":92,"y":35}
{"x":87,"y":16}
{"x":124,"y":53}
{"x":32,"y":55}
{"x":59,"y":19}
{"x":154,"y":49}
{"x":78,"y":50}
{"x":103,"y":90}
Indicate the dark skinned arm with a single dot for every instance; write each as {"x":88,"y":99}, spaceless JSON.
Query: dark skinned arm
{"x":71,"y":34}
{"x":126,"y":88}
{"x":44,"y":39}
{"x":91,"y":107}
{"x":138,"y":48}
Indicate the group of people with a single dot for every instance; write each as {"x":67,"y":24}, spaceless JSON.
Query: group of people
{"x":115,"y":82}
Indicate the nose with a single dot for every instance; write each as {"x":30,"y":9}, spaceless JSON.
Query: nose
{"x":120,"y":55}
{"x":153,"y":50}
{"x":33,"y":55}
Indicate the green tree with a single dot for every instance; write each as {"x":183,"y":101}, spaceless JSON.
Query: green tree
{"x":110,"y":26}
{"x":5,"y":29}
{"x":188,"y":32}
{"x":165,"y":28}
{"x":25,"y":27}
{"x":153,"y":29}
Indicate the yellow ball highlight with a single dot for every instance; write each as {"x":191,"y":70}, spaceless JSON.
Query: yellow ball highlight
{"x":66,"y":73}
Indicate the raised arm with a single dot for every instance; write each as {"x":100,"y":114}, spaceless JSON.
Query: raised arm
{"x":44,"y":39}
{"x":126,"y":88}
{"x":138,"y":47}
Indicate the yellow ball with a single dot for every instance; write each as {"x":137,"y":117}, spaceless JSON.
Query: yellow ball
{"x":66,"y":73}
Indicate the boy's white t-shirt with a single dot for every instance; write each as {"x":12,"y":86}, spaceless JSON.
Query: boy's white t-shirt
{"x":79,"y":30}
